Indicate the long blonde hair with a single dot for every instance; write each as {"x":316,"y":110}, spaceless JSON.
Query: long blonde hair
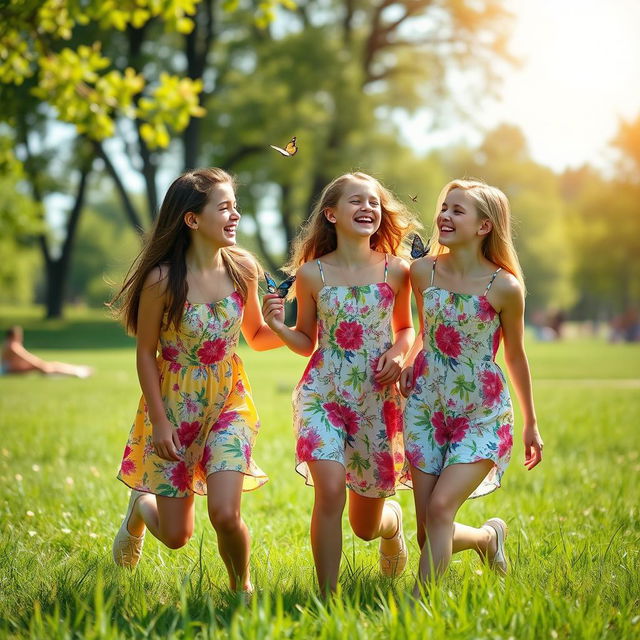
{"x":167,"y":244}
{"x":493,"y":205}
{"x":317,"y":236}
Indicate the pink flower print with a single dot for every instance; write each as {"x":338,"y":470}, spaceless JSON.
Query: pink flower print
{"x":392,"y":418}
{"x":190,"y":404}
{"x":386,"y":469}
{"x":448,"y":340}
{"x":170,"y":353}
{"x":206,"y":456}
{"x":387,"y":296}
{"x":180,"y":477}
{"x":506,"y":440}
{"x":175,"y":387}
{"x":224,"y":420}
{"x":496,"y":340}
{"x":491,"y":388}
{"x":128,"y":466}
{"x":240,"y":387}
{"x":306,"y":446}
{"x":449,"y":429}
{"x":175,"y":367}
{"x":486,"y":312}
{"x":188,"y":432}
{"x":349,"y":335}
{"x":458,"y":427}
{"x":415,"y":457}
{"x":342,"y":416}
{"x":315,"y":361}
{"x":212,"y":351}
{"x":462,"y":317}
{"x":246,"y":450}
{"x":440,"y":425}
{"x":419,"y":365}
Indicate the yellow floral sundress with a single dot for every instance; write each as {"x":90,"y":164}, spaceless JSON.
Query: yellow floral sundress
{"x":207,"y":399}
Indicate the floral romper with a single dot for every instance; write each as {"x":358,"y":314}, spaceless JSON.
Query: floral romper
{"x":207,"y":399}
{"x":459,"y":409}
{"x":340,"y":412}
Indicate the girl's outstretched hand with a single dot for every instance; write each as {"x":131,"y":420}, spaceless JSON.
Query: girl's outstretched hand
{"x":273,"y":311}
{"x":165,"y":440}
{"x":389,"y":368}
{"x":406,"y":381}
{"x":532,"y":447}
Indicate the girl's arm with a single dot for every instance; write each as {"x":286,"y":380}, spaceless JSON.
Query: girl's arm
{"x":150,"y":314}
{"x":302,"y":338}
{"x":390,"y":362}
{"x":418,"y":285}
{"x":511,"y":297}
{"x":256,"y":332}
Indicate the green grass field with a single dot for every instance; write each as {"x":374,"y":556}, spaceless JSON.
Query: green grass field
{"x":574,"y":526}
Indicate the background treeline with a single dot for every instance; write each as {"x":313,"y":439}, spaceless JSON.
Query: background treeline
{"x":102,"y":104}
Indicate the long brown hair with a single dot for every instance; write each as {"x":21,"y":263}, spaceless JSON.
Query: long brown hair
{"x":318,"y":236}
{"x":491,"y":204}
{"x":167,"y":244}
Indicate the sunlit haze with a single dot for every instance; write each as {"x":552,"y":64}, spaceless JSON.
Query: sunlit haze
{"x":580,"y":75}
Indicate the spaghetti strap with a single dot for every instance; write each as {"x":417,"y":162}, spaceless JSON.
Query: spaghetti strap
{"x":493,"y":277}
{"x":321,"y":271}
{"x":386,"y":267}
{"x":433,"y":271}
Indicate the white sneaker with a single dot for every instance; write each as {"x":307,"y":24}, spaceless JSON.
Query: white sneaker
{"x":392,"y":565}
{"x":127,"y":548}
{"x":499,"y":561}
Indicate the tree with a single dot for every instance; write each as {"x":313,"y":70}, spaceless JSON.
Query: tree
{"x":356,"y":65}
{"x":19,"y":221}
{"x":54,"y":67}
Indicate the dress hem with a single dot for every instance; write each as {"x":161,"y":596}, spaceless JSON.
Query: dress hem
{"x":308,"y":480}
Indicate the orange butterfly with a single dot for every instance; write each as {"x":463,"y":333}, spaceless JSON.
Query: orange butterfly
{"x":290,"y":150}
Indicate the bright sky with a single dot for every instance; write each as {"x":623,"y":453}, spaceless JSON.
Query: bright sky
{"x":580,"y":76}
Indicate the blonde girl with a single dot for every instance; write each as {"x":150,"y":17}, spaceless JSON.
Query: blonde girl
{"x":354,"y":304}
{"x":458,"y":417}
{"x":188,"y":296}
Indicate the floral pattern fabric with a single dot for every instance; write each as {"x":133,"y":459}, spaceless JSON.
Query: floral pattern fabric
{"x":459,"y":409}
{"x":340,"y":412}
{"x":207,"y":399}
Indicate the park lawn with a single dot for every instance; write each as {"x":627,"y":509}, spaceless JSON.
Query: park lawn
{"x":574,"y":529}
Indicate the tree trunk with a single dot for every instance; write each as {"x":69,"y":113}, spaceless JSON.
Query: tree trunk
{"x":57,"y":271}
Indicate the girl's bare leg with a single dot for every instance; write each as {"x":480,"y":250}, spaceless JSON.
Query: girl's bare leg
{"x":224,"y":495}
{"x":168,"y":519}
{"x":370,"y":518}
{"x":326,"y":521}
{"x":464,"y":537}
{"x":451,"y":489}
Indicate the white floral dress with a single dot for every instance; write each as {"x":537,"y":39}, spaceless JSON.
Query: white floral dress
{"x":340,"y":412}
{"x":459,"y":409}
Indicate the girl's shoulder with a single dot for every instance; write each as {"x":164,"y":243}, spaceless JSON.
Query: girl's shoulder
{"x":507,"y":290}
{"x":157,"y":280}
{"x":309,"y":273}
{"x":244,"y":257}
{"x":398,"y":267}
{"x":422,"y":266}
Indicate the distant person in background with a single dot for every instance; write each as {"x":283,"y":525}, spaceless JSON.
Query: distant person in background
{"x":16,"y":359}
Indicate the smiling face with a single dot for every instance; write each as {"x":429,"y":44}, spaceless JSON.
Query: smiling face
{"x":358,"y":212}
{"x":458,"y":221}
{"x":218,"y":220}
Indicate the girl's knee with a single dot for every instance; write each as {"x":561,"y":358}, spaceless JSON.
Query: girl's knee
{"x":364,"y":530}
{"x":331,"y":498}
{"x":440,"y":509}
{"x":225,"y":519}
{"x":177,"y":538}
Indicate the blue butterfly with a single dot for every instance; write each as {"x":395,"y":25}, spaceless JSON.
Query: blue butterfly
{"x":281,"y":289}
{"x":418,"y":250}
